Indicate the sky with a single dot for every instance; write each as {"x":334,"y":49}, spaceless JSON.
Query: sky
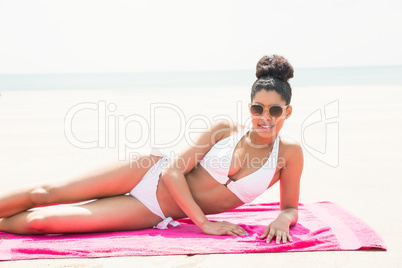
{"x":95,"y":36}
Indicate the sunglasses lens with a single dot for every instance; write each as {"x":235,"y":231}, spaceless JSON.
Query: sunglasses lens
{"x":256,"y":109}
{"x":276,"y":111}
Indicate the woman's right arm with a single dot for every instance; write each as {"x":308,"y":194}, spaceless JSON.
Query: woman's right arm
{"x":174,"y":179}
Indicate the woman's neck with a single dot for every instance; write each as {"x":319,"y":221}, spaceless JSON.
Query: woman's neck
{"x":260,"y":142}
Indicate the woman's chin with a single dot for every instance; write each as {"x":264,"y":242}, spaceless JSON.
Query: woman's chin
{"x":265,"y":131}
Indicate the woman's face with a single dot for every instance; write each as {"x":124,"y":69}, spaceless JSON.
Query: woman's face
{"x":265,"y":125}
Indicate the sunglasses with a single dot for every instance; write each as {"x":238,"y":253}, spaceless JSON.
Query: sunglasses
{"x":275,"y":110}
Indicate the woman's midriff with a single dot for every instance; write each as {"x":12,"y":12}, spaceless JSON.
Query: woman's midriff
{"x":211,"y":196}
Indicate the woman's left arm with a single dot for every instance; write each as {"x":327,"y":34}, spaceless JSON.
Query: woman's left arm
{"x":289,"y":196}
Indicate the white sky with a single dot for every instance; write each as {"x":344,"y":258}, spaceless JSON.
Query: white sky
{"x":76,"y":36}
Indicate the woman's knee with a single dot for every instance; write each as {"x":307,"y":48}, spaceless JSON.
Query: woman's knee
{"x":41,"y":196}
{"x":37,"y":224}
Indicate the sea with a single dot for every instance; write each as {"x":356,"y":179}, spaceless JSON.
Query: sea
{"x":369,"y":75}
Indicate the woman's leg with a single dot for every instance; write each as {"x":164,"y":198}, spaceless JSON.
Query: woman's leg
{"x":115,"y":180}
{"x":116,"y":213}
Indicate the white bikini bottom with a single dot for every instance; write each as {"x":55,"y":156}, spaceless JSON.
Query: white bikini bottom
{"x":145,"y":190}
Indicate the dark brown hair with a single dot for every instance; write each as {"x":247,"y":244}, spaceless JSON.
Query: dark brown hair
{"x":273,"y":73}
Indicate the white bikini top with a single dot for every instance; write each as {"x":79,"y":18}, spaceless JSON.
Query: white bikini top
{"x":217,"y":163}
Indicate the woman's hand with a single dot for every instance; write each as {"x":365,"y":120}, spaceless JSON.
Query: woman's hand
{"x":223,"y":228}
{"x":278,"y":228}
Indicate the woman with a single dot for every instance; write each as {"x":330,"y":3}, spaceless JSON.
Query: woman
{"x":228,"y":166}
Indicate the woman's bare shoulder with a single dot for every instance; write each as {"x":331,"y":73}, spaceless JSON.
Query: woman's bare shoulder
{"x":288,"y":144}
{"x":226,"y":129}
{"x":291,"y":158}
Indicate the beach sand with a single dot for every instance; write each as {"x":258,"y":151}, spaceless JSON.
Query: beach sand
{"x":352,"y":154}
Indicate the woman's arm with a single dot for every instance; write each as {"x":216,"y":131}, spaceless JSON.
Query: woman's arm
{"x":289,"y":196}
{"x":177,"y":185}
{"x":175,"y":181}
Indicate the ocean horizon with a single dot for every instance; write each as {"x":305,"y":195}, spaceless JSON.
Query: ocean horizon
{"x":370,"y":75}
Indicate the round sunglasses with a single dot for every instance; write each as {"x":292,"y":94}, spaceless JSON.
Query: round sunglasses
{"x":275,"y":110}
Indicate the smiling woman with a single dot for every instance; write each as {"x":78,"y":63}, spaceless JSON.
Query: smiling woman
{"x":227,"y":165}
{"x":273,"y":72}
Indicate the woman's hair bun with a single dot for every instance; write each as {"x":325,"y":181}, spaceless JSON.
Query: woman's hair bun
{"x":275,"y":66}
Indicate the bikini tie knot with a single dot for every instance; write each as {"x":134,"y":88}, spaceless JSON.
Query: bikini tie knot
{"x":164,"y":224}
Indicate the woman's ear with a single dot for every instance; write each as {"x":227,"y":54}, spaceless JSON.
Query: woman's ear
{"x":289,"y":111}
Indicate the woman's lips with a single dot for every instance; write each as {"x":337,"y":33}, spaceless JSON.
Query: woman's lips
{"x":265,"y":126}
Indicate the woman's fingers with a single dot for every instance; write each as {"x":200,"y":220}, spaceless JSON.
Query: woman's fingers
{"x":290,"y":238}
{"x":265,"y":234}
{"x":237,"y":230}
{"x":224,"y":228}
{"x":231,"y":233}
{"x":270,"y":236}
{"x":243,"y":232}
{"x":284,"y":238}
{"x":279,"y":236}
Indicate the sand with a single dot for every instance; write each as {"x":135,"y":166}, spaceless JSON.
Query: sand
{"x":351,"y":154}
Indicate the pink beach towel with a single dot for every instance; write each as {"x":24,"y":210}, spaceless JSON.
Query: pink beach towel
{"x":321,"y":226}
